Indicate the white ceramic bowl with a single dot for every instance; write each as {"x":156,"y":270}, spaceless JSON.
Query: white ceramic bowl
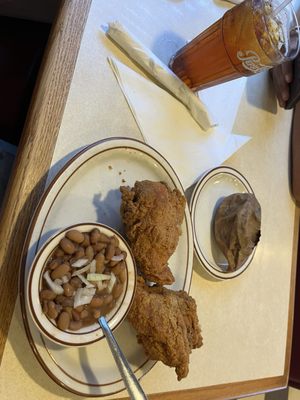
{"x":90,"y":333}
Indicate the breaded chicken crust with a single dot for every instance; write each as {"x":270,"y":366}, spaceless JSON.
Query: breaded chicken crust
{"x":167,"y":325}
{"x":152,"y":214}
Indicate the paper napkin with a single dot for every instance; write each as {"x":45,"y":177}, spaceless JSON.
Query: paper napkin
{"x":166,"y":124}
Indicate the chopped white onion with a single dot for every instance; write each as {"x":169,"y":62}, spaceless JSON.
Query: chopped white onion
{"x":86,"y":282}
{"x":57,"y":289}
{"x":81,"y":271}
{"x":65,"y":279}
{"x":120,"y":257}
{"x":83,"y":296}
{"x":81,"y":262}
{"x":58,"y":281}
{"x":93,"y":266}
{"x":111,"y":283}
{"x":98,"y":277}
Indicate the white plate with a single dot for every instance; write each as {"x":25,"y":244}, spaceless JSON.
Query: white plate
{"x":87,"y":189}
{"x":210,"y":190}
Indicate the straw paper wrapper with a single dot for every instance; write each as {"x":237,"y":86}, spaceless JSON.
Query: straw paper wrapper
{"x":160,"y":72}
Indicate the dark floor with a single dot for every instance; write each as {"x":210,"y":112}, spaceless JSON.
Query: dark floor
{"x":7,"y":156}
{"x":22,"y":44}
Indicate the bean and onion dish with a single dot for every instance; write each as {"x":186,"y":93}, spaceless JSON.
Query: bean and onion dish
{"x":83,"y":278}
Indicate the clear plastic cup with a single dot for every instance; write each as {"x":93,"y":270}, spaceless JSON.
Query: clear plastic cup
{"x":248,"y":38}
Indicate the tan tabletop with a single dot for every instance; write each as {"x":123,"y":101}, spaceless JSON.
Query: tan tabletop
{"x":243,"y":352}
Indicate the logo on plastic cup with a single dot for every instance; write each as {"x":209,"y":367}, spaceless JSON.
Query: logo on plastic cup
{"x":251,"y":61}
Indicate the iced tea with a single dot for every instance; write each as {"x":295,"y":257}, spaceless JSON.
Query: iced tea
{"x":246,"y":40}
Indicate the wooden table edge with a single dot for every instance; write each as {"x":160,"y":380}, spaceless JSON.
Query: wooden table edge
{"x":36,"y":148}
{"x":292,"y":296}
{"x":232,"y":390}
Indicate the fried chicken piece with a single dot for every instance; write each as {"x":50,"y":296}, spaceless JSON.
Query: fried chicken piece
{"x":152,"y":215}
{"x":167,"y":325}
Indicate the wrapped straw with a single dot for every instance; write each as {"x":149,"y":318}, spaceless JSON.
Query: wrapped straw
{"x":160,"y":72}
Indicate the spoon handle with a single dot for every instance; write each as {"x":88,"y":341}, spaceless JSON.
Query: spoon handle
{"x":132,"y":384}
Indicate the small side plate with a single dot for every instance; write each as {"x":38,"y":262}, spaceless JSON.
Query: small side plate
{"x":212,"y":187}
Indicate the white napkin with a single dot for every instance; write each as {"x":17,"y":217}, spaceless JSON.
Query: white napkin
{"x":224,"y":100}
{"x":160,"y":72}
{"x":167,"y":126}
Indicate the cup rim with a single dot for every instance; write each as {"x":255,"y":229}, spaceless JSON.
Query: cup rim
{"x":281,"y":57}
{"x":43,"y":323}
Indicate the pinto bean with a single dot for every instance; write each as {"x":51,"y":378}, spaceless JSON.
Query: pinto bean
{"x":84,"y":314}
{"x":75,"y":236}
{"x":107,"y":299}
{"x":96,"y":313}
{"x":63,"y":321}
{"x":108,"y":307}
{"x":64,"y":301}
{"x":115,"y":241}
{"x":95,"y":236}
{"x":75,"y":325}
{"x":89,"y":252}
{"x":96,"y":302}
{"x":113,"y":264}
{"x":58,"y":252}
{"x":122,"y":275}
{"x":55,"y":263}
{"x":86,"y":241}
{"x":58,"y":308}
{"x":67,"y":245}
{"x":110,"y":251}
{"x":88,"y":321}
{"x":118,"y":251}
{"x":104,"y":238}
{"x":119,"y":268}
{"x":117,"y":290}
{"x":99,"y":246}
{"x":100,"y":263}
{"x":75,"y":315}
{"x":69,"y":311}
{"x":52,"y":311}
{"x":45,"y":306}
{"x":76,"y":282}
{"x":68,"y":289}
{"x":102,"y":291}
{"x":47,"y":294}
{"x":80,"y":253}
{"x":60,"y":271}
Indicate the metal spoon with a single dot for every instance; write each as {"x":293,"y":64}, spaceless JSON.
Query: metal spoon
{"x":132,"y":384}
